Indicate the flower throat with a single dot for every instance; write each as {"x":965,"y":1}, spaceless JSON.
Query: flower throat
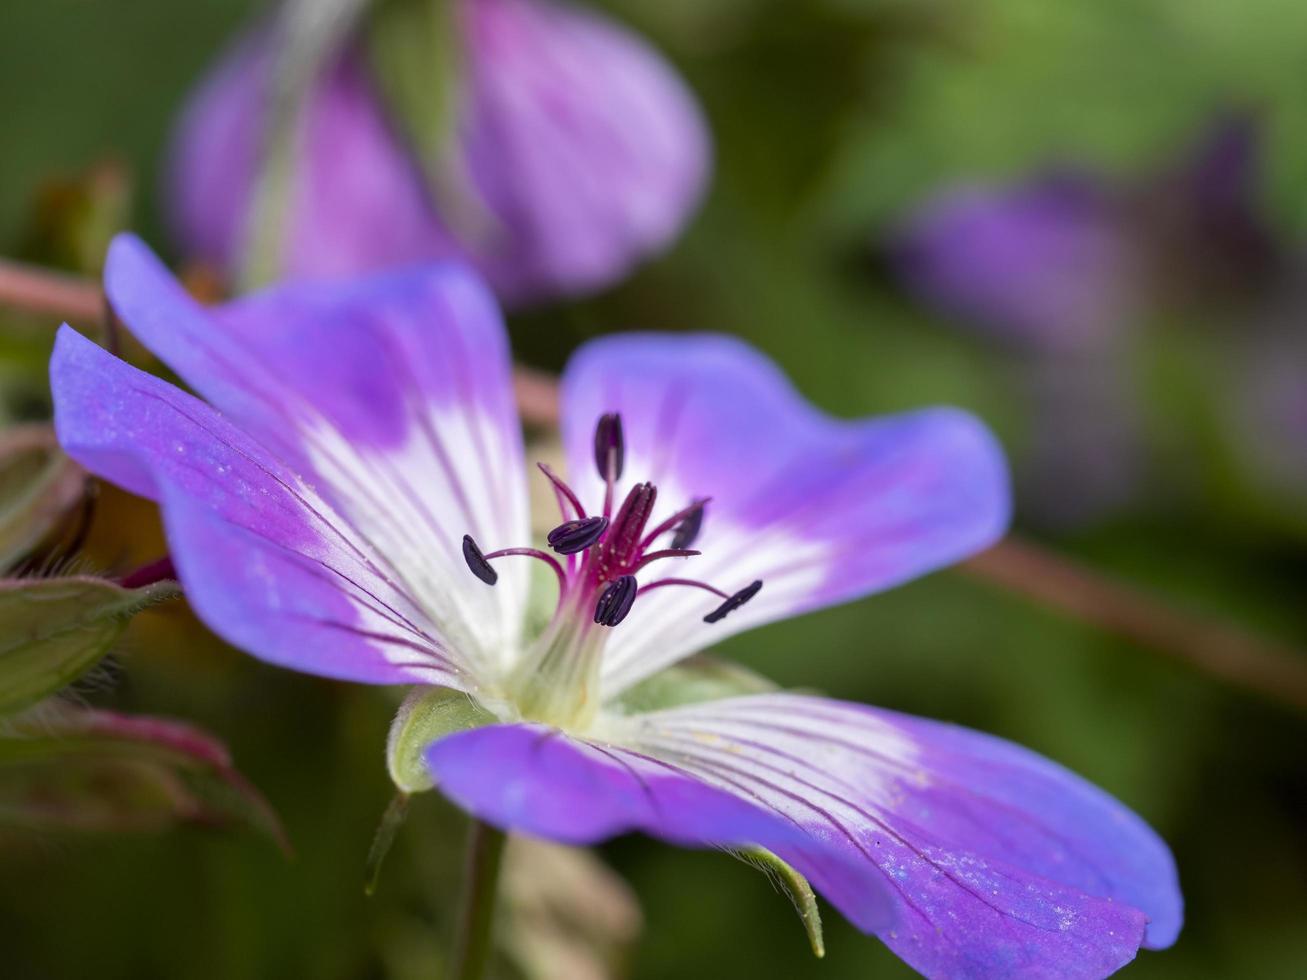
{"x":597,"y":560}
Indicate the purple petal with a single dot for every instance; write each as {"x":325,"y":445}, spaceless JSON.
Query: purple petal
{"x":265,"y":562}
{"x":579,"y":153}
{"x":542,"y":782}
{"x":993,"y":861}
{"x":392,"y":394}
{"x":583,"y":141}
{"x":1044,"y":263}
{"x":999,"y":859}
{"x":821,"y":510}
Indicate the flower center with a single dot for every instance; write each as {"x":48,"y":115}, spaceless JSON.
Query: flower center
{"x":603,"y":557}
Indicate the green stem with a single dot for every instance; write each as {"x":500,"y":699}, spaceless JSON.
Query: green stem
{"x":473,"y":944}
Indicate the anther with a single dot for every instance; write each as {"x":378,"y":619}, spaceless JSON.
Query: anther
{"x":476,"y":561}
{"x":610,"y":446}
{"x":615,"y":601}
{"x":572,"y":537}
{"x":689,"y":528}
{"x":734,"y":602}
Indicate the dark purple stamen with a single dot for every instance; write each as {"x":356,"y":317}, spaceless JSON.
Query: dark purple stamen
{"x":689,"y":528}
{"x":572,"y":537}
{"x":610,"y":446}
{"x":615,"y":601}
{"x":734,"y":602}
{"x":477,"y":561}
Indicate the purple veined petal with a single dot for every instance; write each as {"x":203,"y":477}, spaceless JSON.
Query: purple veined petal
{"x":392,"y":394}
{"x":821,"y":510}
{"x":583,"y":141}
{"x":265,"y":562}
{"x":993,"y":862}
{"x":1001,"y":862}
{"x":542,"y":782}
{"x":1045,"y":263}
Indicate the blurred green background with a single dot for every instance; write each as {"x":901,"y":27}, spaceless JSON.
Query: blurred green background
{"x":831,"y":119}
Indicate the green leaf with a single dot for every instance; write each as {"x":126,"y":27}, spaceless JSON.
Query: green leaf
{"x":701,"y":678}
{"x":98,"y":771}
{"x":427,"y":714}
{"x":795,"y":886}
{"x":39,"y":485}
{"x":54,"y":630}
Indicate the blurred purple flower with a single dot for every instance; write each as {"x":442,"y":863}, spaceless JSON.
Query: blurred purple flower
{"x":1069,"y":268}
{"x":326,"y":511}
{"x":581,"y":153}
{"x":1066,"y":261}
{"x":1044,"y":264}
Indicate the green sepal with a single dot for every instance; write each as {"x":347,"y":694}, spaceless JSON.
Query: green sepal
{"x":383,"y":840}
{"x":77,"y":770}
{"x":427,"y":715}
{"x":415,"y":55}
{"x":39,"y":485}
{"x":697,"y":679}
{"x":53,"y":630}
{"x":796,"y":888}
{"x":413,"y":52}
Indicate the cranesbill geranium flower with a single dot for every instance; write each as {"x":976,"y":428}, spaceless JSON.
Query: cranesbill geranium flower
{"x":576,"y":153}
{"x":352,"y":502}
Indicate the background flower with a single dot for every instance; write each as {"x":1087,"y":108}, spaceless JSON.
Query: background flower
{"x":574,"y":152}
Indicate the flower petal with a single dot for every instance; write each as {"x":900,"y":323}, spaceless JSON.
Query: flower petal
{"x":583,"y":141}
{"x":821,"y":510}
{"x":542,"y":782}
{"x":265,"y":562}
{"x":984,"y":872}
{"x":392,"y":394}
{"x":999,"y":858}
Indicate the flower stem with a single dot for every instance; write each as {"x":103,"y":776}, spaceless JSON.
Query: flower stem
{"x":474,"y":943}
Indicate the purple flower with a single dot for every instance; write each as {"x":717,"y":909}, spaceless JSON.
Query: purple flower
{"x":1065,"y":261}
{"x":352,"y":502}
{"x":580,"y":152}
{"x":1043,"y":264}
